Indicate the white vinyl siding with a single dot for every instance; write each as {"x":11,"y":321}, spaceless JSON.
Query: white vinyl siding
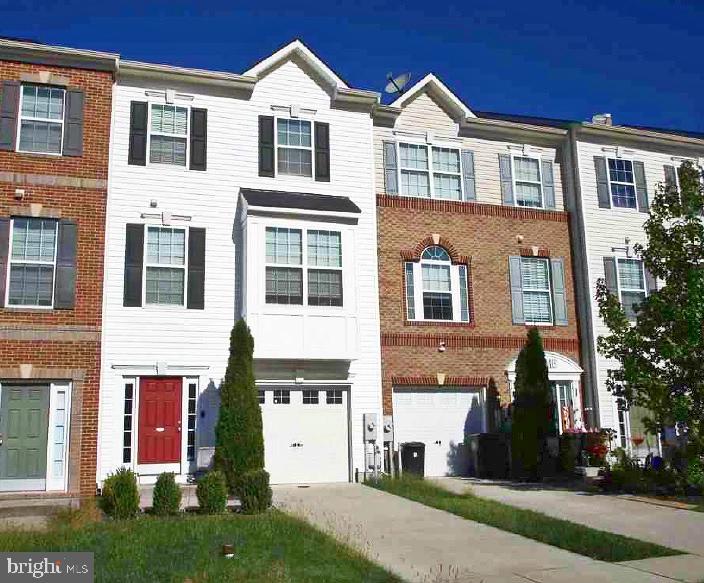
{"x":622,"y":184}
{"x":168,"y":134}
{"x":527,"y":181}
{"x":537,"y":300}
{"x":32,"y":262}
{"x":165,"y":266}
{"x":41,"y":119}
{"x":294,"y":147}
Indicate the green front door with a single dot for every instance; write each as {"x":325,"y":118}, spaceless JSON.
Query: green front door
{"x":24,"y":422}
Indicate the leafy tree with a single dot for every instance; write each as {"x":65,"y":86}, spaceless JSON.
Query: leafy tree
{"x":662,"y":353}
{"x":239,"y":442}
{"x":532,"y":406}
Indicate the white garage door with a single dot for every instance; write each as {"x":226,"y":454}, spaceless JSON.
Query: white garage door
{"x":306,"y":434}
{"x":440,"y":418}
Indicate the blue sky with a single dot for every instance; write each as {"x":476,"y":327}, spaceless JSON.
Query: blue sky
{"x":641,"y":60}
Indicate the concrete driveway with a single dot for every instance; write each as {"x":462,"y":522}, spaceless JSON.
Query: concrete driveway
{"x":669,"y":527}
{"x":422,"y":544}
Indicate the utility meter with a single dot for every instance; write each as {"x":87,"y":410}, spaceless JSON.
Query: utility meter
{"x":370,"y":427}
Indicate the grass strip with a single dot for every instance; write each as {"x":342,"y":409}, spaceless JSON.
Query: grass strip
{"x":597,"y":544}
{"x":270,"y":548}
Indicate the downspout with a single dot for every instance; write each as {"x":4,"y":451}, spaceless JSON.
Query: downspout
{"x":585,"y":322}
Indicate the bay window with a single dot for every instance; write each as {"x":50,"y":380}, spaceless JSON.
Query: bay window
{"x":286,"y":264}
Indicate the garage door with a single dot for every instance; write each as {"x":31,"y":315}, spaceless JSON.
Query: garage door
{"x":440,"y":418}
{"x":306,"y":434}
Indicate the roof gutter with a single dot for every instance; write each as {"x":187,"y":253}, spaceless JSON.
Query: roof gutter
{"x":641,"y":135}
{"x":28,"y":52}
{"x":183,"y":74}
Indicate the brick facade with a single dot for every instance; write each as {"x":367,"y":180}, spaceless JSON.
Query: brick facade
{"x":63,"y":344}
{"x":482,"y":236}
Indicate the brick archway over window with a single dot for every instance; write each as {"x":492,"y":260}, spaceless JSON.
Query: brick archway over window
{"x":415,"y":253}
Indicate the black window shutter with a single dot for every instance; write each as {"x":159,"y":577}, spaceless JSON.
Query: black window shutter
{"x":9,"y":106}
{"x":641,"y":186}
{"x":73,"y":123}
{"x":196,"y":269}
{"x":610,"y":276}
{"x":134,"y":259}
{"x":4,"y":251}
{"x":65,"y":278}
{"x":138,"y":134}
{"x":322,"y":152}
{"x":266,"y":145}
{"x":602,"y":182}
{"x":199,"y":139}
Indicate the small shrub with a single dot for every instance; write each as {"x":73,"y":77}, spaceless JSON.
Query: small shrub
{"x":120,"y":499}
{"x":211,"y":492}
{"x":695,"y":476}
{"x":167,"y":495}
{"x":252,"y":488}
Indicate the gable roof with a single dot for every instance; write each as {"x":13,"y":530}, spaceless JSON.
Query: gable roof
{"x":439,"y":90}
{"x":297,"y":48}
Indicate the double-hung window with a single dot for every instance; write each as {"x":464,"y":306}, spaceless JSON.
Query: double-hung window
{"x":294,"y":147}
{"x":527,"y":181}
{"x":436,"y":290}
{"x":286,"y":264}
{"x":165,"y":263}
{"x":537,"y":300}
{"x":430,"y":171}
{"x":41,"y":119}
{"x":631,"y":285}
{"x":622,"y":185}
{"x":168,"y":134}
{"x":32,"y":262}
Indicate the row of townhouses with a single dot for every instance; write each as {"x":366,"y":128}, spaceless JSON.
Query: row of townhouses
{"x":387,"y":258}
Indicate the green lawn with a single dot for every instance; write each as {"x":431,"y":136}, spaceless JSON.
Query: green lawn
{"x":271,"y":548}
{"x":567,"y":535}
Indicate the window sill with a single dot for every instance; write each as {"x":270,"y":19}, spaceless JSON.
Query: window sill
{"x":537,"y":324}
{"x":41,"y":154}
{"x":446,"y":323}
{"x":30,"y":309}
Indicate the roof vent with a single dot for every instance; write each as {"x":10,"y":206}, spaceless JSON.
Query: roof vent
{"x":602,"y":119}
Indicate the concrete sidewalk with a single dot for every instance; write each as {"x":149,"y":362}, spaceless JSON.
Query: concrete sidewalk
{"x":422,"y":544}
{"x":669,"y":527}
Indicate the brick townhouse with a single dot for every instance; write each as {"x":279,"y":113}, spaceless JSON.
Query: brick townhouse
{"x":474,"y":248}
{"x":55,"y":111}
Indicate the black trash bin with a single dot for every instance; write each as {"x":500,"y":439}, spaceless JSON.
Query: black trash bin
{"x":413,"y":458}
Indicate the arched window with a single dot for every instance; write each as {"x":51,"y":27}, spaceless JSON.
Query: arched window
{"x":438,"y":286}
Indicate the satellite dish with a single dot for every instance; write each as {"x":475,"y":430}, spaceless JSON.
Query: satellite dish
{"x":396,"y":84}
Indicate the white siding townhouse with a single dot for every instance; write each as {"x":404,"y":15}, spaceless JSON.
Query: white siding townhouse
{"x":616,"y":173}
{"x":240,"y":196}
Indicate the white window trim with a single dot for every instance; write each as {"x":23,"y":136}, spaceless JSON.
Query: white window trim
{"x":186,"y":136}
{"x":305,"y":267}
{"x":11,"y":261}
{"x":538,"y":182}
{"x":633,"y":184}
{"x":418,"y":291}
{"x":538,"y":290}
{"x":146,"y":265}
{"x":430,"y":172}
{"x":621,"y":289}
{"x":277,"y":146}
{"x":20,"y":118}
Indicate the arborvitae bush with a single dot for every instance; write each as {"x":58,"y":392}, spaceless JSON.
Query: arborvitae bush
{"x":253,"y":491}
{"x":211,"y":492}
{"x":532,"y":422}
{"x":167,"y":495}
{"x":239,"y":442}
{"x":120,"y":499}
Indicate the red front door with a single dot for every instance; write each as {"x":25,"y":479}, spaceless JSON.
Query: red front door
{"x":159,"y":420}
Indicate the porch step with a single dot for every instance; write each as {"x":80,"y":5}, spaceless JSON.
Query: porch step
{"x":23,"y":506}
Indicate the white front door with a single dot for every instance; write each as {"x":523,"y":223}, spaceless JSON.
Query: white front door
{"x":440,"y":418}
{"x":306,"y":434}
